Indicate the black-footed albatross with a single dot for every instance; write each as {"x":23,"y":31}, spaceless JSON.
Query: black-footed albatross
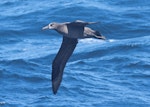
{"x":71,"y":31}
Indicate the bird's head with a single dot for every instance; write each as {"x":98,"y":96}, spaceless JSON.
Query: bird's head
{"x":52,"y":25}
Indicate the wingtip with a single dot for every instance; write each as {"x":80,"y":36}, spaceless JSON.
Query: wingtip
{"x":56,"y":84}
{"x":55,"y":88}
{"x":54,"y":92}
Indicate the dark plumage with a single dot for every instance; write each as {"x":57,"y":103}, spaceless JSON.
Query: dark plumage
{"x":71,"y":31}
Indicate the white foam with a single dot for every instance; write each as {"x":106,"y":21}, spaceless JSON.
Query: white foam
{"x":91,"y":40}
{"x":112,"y":40}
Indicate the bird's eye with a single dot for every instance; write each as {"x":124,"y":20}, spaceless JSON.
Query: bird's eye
{"x":51,"y":24}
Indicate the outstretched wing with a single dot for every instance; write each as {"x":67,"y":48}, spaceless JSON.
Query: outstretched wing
{"x":76,"y":28}
{"x":79,"y":23}
{"x":67,"y":47}
{"x":82,"y":23}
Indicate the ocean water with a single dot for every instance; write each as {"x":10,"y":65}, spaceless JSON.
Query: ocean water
{"x":111,"y":73}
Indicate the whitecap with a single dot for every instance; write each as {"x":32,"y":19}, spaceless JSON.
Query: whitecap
{"x":91,"y":40}
{"x":112,"y":40}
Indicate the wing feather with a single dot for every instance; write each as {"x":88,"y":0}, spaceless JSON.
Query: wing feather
{"x":67,"y":47}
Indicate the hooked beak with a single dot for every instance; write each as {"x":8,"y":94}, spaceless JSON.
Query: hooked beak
{"x":46,"y":27}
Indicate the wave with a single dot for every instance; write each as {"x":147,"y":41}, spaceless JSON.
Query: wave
{"x":120,"y":55}
{"x":16,"y":61}
{"x":115,"y":70}
{"x":86,"y":48}
{"x":97,"y":54}
{"x":23,"y":70}
{"x":110,"y":45}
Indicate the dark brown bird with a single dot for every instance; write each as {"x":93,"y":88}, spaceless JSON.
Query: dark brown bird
{"x":71,"y":31}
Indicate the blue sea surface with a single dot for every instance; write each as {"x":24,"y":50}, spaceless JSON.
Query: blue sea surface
{"x":111,"y":73}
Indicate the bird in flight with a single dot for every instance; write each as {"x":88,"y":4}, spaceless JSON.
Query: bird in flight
{"x":71,"y":31}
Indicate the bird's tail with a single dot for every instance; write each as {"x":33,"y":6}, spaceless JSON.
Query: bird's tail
{"x":98,"y":35}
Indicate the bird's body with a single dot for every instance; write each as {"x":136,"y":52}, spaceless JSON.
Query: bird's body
{"x":71,"y":31}
{"x":75,"y":29}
